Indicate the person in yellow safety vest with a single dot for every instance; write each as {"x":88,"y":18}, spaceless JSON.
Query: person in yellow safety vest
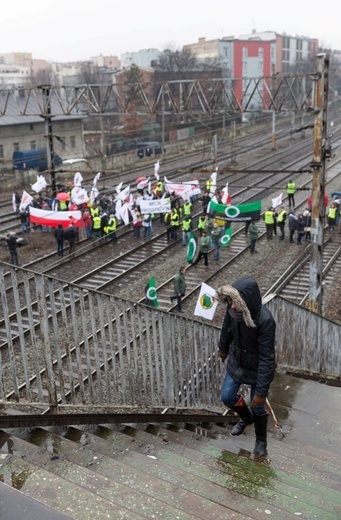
{"x":94,"y":211}
{"x":96,"y":227}
{"x":175,"y":223}
{"x":291,"y":189}
{"x":209,"y":183}
{"x":159,"y":187}
{"x":63,"y":205}
{"x":111,"y":229}
{"x":269,"y":219}
{"x":179,"y":210}
{"x":201,"y":224}
{"x":187,"y":208}
{"x":332,"y":214}
{"x":186,"y":229}
{"x":281,"y":217}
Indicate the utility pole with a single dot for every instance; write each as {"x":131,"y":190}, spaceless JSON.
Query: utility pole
{"x":47,"y":115}
{"x":321,"y":152}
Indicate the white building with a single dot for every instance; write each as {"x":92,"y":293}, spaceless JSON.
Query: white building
{"x":143,"y":58}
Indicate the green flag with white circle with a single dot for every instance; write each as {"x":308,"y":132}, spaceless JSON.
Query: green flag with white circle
{"x":151,"y":293}
{"x":226,"y":238}
{"x":237,"y":213}
{"x":191,"y":247}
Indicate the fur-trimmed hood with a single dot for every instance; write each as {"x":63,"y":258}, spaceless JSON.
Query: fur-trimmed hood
{"x":245,"y":294}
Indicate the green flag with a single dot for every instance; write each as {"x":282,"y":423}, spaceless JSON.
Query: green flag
{"x":191,"y":247}
{"x":151,"y":293}
{"x":238,"y":213}
{"x":226,"y":238}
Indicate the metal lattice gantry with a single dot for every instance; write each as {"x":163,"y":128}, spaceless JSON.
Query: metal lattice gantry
{"x":274,"y":93}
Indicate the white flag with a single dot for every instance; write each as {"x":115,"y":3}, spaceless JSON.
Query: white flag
{"x":156,"y":170}
{"x":79,"y":195}
{"x":77,"y":180}
{"x":93,"y":194}
{"x":124,"y":194}
{"x":277,"y":201}
{"x":14,"y":203}
{"x":26,"y":199}
{"x":96,"y":179}
{"x":119,"y":187}
{"x":207,"y":303}
{"x":214,"y":182}
{"x":40,"y":184}
{"x":124,"y":214}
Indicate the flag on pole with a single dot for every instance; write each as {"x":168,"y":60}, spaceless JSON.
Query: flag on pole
{"x":77,"y":180}
{"x":151,"y":293}
{"x":26,"y":199}
{"x":40,"y":184}
{"x":226,"y":197}
{"x":191,"y":248}
{"x":207,"y":303}
{"x":239,"y":213}
{"x":214,"y":183}
{"x":277,"y":201}
{"x":156,"y":170}
{"x":226,"y":238}
{"x":96,"y":179}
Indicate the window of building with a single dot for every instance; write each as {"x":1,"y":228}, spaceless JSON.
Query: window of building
{"x":16,"y":147}
{"x":62,"y":143}
{"x":33,"y":145}
{"x":31,"y":126}
{"x":245,"y":52}
{"x":1,"y":151}
{"x":73,"y":141}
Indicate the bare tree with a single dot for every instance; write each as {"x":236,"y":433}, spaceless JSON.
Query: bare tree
{"x":177,"y":63}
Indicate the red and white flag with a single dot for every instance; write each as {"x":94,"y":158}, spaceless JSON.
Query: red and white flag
{"x":226,"y":198}
{"x":142,"y":184}
{"x":46,"y":217}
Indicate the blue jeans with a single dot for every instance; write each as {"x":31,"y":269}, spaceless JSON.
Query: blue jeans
{"x":230,"y":397}
{"x":216,"y":246}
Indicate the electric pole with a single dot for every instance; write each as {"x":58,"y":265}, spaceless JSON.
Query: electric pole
{"x":321,"y":152}
{"x":47,"y":115}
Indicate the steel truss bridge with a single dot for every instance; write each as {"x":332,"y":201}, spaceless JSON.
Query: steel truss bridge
{"x":294,"y":93}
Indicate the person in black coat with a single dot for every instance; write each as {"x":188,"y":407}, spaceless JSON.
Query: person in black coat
{"x":59,"y":235}
{"x":11,"y":240}
{"x":248,"y":341}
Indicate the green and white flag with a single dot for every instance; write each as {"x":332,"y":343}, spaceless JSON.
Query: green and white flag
{"x":226,"y":238}
{"x":151,"y":293}
{"x":191,"y":248}
{"x":237,"y":213}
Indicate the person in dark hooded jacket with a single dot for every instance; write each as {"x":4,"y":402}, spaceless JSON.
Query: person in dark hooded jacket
{"x":248,"y":341}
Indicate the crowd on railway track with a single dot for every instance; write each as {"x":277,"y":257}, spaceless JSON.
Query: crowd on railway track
{"x":99,"y":218}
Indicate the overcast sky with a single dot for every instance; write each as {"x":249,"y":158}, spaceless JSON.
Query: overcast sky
{"x":70,"y":30}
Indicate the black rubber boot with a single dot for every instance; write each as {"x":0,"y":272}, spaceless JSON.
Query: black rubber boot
{"x":261,"y":422}
{"x":245,"y":415}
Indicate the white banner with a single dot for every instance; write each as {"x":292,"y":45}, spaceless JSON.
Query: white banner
{"x":207,"y":303}
{"x":155,"y":206}
{"x":184,"y":190}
